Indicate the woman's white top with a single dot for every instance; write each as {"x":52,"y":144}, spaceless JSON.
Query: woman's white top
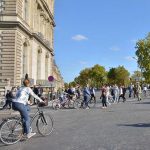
{"x":23,"y":94}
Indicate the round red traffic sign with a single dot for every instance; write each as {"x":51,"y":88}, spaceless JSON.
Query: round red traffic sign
{"x":50,"y":78}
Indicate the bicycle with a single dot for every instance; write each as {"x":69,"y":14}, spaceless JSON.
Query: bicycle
{"x":60,"y":103}
{"x":11,"y":129}
{"x":2,"y":102}
{"x":79,"y":103}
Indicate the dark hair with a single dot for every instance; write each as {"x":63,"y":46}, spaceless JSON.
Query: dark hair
{"x":26,"y":81}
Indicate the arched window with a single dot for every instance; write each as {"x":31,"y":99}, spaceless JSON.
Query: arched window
{"x":39,"y":57}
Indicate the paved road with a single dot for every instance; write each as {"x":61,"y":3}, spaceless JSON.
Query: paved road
{"x":123,"y":126}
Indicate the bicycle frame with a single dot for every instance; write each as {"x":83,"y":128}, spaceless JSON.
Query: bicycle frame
{"x":37,"y":113}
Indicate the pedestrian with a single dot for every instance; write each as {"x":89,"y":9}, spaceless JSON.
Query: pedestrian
{"x":35,"y":90}
{"x":134,"y":91}
{"x":40,"y":91}
{"x":121,"y":94}
{"x":8,"y":100}
{"x":9,"y":97}
{"x":103,"y":97}
{"x":115,"y":91}
{"x":145,"y":90}
{"x":139,"y":92}
{"x":131,"y":86}
{"x":107,"y":94}
{"x":124,"y":93}
{"x":92,"y":92}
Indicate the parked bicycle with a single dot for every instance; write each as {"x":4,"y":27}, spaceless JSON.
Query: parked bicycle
{"x":11,"y":129}
{"x":2,"y":102}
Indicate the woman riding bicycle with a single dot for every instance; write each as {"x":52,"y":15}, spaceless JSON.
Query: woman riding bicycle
{"x":21,"y":104}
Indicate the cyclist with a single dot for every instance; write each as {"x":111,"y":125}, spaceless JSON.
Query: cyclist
{"x":20,"y":103}
{"x":86,"y":96}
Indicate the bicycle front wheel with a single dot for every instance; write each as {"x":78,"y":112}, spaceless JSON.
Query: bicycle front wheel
{"x":45,"y":124}
{"x":91,"y":103}
{"x":11,"y":131}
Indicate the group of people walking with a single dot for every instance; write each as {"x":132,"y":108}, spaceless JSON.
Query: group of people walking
{"x":108,"y":94}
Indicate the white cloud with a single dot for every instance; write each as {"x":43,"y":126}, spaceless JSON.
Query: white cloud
{"x":134,"y":41}
{"x":83,"y":62}
{"x":115,"y":48}
{"x":129,"y":58}
{"x":79,"y":37}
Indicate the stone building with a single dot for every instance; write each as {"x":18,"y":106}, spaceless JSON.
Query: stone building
{"x":26,"y":40}
{"x":59,"y":82}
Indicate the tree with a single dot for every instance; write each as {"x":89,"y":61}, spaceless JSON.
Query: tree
{"x":112,"y":75}
{"x":98,"y":75}
{"x":122,"y":75}
{"x":84,"y":77}
{"x":66,"y":85}
{"x":95,"y":76}
{"x":118,"y":76}
{"x":73,"y":84}
{"x":143,"y":55}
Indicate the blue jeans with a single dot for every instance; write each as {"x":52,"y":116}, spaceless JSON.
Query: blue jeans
{"x":24,"y":112}
{"x":85,"y":100}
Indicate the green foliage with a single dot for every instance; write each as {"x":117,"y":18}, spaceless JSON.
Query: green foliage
{"x":118,"y":76}
{"x":94,"y":76}
{"x":97,"y":76}
{"x":66,"y":85}
{"x":73,"y":84}
{"x":112,"y":75}
{"x":143,"y":55}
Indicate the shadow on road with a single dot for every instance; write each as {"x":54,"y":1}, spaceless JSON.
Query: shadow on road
{"x":143,"y":103}
{"x":136,"y":125}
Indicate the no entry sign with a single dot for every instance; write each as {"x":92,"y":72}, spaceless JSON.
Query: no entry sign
{"x":50,"y":78}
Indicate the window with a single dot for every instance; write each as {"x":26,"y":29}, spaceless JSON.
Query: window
{"x":1,"y":6}
{"x":26,"y":9}
{"x":46,"y":66}
{"x":39,"y":63}
{"x":24,"y":60}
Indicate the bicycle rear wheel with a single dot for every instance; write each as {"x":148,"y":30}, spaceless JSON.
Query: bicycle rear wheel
{"x":55,"y":104}
{"x":11,"y":131}
{"x":71,"y":104}
{"x":78,"y":103}
{"x":45,"y":124}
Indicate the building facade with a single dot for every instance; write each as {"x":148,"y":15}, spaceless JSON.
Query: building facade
{"x":26,"y":40}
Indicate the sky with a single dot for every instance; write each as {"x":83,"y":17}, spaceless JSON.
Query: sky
{"x":100,"y":32}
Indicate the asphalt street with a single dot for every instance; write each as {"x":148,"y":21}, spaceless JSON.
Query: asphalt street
{"x":123,"y":126}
